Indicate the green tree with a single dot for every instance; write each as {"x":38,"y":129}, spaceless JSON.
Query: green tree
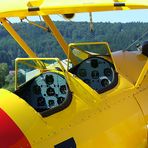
{"x":4,"y":71}
{"x":9,"y":82}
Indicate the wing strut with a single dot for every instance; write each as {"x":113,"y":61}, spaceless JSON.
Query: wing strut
{"x":18,"y":39}
{"x":56,"y":33}
{"x":21,"y":42}
{"x":59,"y":37}
{"x":142,"y":74}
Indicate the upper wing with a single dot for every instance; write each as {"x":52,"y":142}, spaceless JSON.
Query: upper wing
{"x":22,"y":8}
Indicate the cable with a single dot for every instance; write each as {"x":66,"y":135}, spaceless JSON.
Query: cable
{"x":91,"y":23}
{"x":136,"y":40}
{"x":37,"y":25}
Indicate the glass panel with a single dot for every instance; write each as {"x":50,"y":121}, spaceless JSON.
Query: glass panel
{"x":82,"y":51}
{"x":29,"y":68}
{"x":93,"y":64}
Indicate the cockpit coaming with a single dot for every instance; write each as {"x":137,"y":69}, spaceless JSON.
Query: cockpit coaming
{"x":48,"y":92}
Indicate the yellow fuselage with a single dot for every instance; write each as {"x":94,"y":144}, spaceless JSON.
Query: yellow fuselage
{"x":114,"y":119}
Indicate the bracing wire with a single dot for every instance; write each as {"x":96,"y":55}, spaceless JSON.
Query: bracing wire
{"x":145,"y":33}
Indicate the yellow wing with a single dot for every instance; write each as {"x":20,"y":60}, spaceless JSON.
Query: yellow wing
{"x":21,"y":8}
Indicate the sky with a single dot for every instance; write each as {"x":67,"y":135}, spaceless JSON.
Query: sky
{"x":111,"y":16}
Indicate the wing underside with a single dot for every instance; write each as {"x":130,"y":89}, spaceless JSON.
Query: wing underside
{"x":21,"y":8}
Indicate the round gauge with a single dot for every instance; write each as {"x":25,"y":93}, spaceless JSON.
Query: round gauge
{"x":49,"y":79}
{"x":94,"y":63}
{"x":50,"y":91}
{"x":95,"y":74}
{"x":82,"y":73}
{"x":60,"y":100}
{"x":107,"y":72}
{"x":36,"y":89}
{"x":104,"y":82}
{"x":63,"y":89}
{"x":40,"y":101}
{"x":51,"y":103}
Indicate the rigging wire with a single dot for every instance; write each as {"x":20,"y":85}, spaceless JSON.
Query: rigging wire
{"x":144,"y":34}
{"x":38,"y":63}
{"x":37,"y":25}
{"x":40,"y":18}
{"x":91,"y":22}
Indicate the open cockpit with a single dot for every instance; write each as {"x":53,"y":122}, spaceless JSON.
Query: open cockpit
{"x":43,"y":83}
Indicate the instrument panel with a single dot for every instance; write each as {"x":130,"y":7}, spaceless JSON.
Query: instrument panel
{"x":97,"y":72}
{"x":48,"y":91}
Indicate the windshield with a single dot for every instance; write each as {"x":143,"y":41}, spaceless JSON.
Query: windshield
{"x":28,"y":68}
{"x":81,"y":51}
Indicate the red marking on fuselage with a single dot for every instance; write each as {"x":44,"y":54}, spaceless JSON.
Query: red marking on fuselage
{"x":10,"y":134}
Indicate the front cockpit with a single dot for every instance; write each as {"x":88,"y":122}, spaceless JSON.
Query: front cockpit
{"x":46,"y":90}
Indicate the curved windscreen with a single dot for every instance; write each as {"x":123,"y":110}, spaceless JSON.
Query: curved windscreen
{"x":81,"y":51}
{"x":93,"y":64}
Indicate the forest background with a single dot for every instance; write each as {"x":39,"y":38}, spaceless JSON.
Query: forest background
{"x":119,"y":36}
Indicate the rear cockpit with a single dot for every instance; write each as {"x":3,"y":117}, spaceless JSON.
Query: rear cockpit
{"x":94,"y":65}
{"x":97,"y":72}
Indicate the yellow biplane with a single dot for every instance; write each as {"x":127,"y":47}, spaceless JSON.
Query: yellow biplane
{"x":92,"y":99}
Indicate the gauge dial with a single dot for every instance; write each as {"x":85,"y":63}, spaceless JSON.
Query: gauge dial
{"x":63,"y":89}
{"x":107,"y":72}
{"x":40,"y":101}
{"x":50,"y":91}
{"x":105,"y":82}
{"x":51,"y":103}
{"x":49,"y":79}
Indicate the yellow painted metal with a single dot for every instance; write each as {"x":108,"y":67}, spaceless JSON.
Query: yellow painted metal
{"x":117,"y":118}
{"x":23,"y":8}
{"x":58,"y":36}
{"x":29,"y":121}
{"x":18,"y":39}
{"x":132,"y":65}
{"x":34,"y":3}
{"x":141,"y":97}
{"x":40,"y":59}
{"x":114,"y":119}
{"x":37,"y":25}
{"x":84,"y":54}
{"x":109,"y":120}
{"x":16,"y":75}
{"x":46,"y":67}
{"x":142,"y":74}
{"x":56,"y":33}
